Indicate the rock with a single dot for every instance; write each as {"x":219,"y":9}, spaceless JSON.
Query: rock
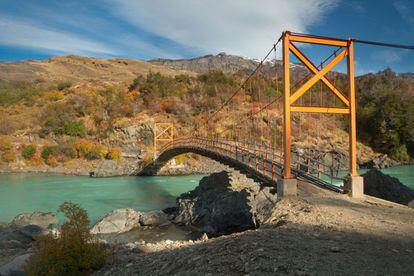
{"x":335,"y":249}
{"x":24,"y":235}
{"x":154,"y":218}
{"x":44,"y":220}
{"x":15,"y":267}
{"x":386,"y":187}
{"x":32,"y":231}
{"x":380,"y":162}
{"x":117,"y":221}
{"x":411,"y":204}
{"x":220,"y":206}
{"x":107,"y":168}
{"x":204,"y":237}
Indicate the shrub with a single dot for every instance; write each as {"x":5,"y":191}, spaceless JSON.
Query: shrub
{"x":53,"y":95}
{"x":48,"y":151}
{"x":74,"y":252}
{"x":28,"y":151}
{"x":114,"y":154}
{"x":88,"y":150}
{"x":63,"y":85}
{"x":97,"y":152}
{"x":400,"y":153}
{"x":75,"y":129}
{"x":8,"y":156}
{"x":5,"y":144}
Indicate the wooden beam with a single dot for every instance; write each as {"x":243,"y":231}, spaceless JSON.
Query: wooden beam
{"x":286,"y":108}
{"x":352,"y":107}
{"x":317,"y":109}
{"x":318,"y":76}
{"x":315,"y":70}
{"x":319,"y":40}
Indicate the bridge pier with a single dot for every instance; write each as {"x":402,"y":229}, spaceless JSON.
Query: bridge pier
{"x":355,"y":185}
{"x":287,"y":187}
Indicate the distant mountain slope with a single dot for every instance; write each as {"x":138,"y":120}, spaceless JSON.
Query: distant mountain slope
{"x":225,"y":63}
{"x":76,"y":68}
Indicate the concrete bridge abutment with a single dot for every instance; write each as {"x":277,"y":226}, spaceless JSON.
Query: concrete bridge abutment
{"x":355,"y":185}
{"x":287,"y":187}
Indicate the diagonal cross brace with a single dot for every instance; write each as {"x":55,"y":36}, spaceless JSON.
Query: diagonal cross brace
{"x":318,"y":76}
{"x":315,"y":70}
{"x":164,"y":131}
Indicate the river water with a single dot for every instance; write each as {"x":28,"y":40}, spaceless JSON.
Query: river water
{"x":25,"y":193}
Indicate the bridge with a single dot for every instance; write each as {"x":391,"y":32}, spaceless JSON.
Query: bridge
{"x":258,"y":143}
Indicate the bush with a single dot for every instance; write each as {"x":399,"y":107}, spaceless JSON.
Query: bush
{"x":60,"y":118}
{"x":5,"y":144}
{"x":97,"y":152}
{"x":28,"y":151}
{"x":8,"y":156}
{"x":400,"y":154}
{"x":63,"y":85}
{"x":75,"y":129}
{"x":48,"y":151}
{"x":114,"y":154}
{"x":74,"y":252}
{"x":88,"y":150}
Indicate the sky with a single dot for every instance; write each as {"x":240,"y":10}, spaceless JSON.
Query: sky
{"x":146,"y":29}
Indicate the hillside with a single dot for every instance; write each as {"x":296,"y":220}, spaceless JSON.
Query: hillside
{"x":76,"y":68}
{"x":73,"y":110}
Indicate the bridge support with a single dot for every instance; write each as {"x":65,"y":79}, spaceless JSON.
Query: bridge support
{"x":287,"y":187}
{"x":355,"y":186}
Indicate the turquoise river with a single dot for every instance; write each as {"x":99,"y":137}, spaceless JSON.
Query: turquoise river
{"x":24,"y":193}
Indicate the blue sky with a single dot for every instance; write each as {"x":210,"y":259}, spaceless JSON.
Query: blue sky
{"x":182,"y":29}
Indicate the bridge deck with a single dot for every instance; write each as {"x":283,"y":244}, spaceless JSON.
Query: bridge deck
{"x":262,"y":163}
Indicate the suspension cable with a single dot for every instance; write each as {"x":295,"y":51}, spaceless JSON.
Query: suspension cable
{"x":244,"y":82}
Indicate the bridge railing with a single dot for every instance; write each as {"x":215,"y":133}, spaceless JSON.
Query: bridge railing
{"x":262,"y":159}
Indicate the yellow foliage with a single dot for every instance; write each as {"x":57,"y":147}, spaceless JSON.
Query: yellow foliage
{"x":54,"y":95}
{"x":180,"y":159}
{"x":88,"y":150}
{"x":35,"y":161}
{"x":5,"y":144}
{"x":8,"y":156}
{"x":51,"y":161}
{"x":114,"y":154}
{"x":82,"y":147}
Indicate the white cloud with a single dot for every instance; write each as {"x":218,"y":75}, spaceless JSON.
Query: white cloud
{"x":389,"y":56}
{"x":405,"y":12}
{"x":19,"y":32}
{"x":241,"y":27}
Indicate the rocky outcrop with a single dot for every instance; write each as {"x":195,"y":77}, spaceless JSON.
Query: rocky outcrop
{"x":16,"y":266}
{"x":108,"y":168}
{"x":44,"y":220}
{"x":154,"y":218}
{"x":117,"y":221}
{"x":386,"y":187}
{"x":124,"y":220}
{"x":224,"y":203}
{"x":382,"y":161}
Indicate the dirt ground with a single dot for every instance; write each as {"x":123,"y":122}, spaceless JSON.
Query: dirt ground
{"x":318,"y":233}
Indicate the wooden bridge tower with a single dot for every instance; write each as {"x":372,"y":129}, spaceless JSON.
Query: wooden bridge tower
{"x":288,"y":185}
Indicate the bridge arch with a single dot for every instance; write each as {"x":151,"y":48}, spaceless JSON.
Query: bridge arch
{"x":168,"y":154}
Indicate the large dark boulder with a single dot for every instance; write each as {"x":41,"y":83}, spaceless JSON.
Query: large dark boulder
{"x":386,"y":187}
{"x":222,"y":205}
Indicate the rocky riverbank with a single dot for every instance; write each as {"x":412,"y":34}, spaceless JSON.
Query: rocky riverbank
{"x":219,"y":221}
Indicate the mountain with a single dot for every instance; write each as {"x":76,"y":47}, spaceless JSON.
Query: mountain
{"x":226,"y":63}
{"x":77,"y":68}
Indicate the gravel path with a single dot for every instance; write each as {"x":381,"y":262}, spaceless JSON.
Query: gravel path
{"x":319,"y":233}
